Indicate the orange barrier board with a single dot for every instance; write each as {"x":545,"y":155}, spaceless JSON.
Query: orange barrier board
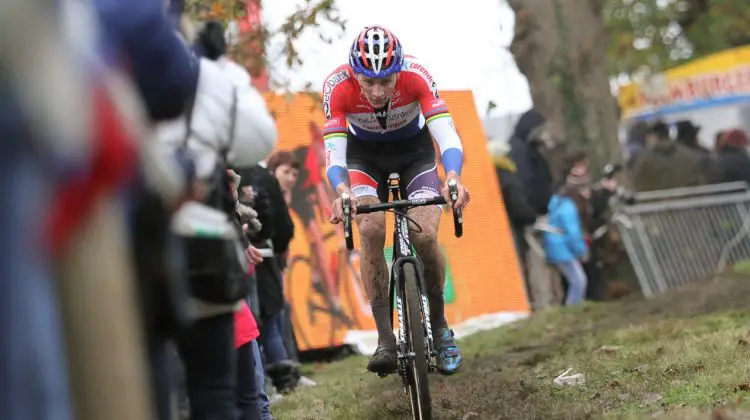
{"x":484,"y":285}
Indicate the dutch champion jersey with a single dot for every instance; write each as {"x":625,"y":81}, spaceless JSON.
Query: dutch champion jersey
{"x":415,"y":103}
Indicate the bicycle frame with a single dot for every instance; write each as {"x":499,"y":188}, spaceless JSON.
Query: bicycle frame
{"x":414,"y":362}
{"x":404,"y":254}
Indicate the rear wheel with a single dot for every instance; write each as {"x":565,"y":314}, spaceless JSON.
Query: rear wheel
{"x":419,"y":389}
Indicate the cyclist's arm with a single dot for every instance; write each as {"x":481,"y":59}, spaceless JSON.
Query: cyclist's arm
{"x":334,"y":137}
{"x":438,"y":119}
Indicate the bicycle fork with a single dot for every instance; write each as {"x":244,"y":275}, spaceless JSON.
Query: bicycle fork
{"x":404,"y":353}
{"x":427,"y":323}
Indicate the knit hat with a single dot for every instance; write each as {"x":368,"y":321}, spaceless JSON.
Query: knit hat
{"x":734,"y":138}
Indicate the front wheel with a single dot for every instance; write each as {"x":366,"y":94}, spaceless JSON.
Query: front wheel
{"x":419,"y":389}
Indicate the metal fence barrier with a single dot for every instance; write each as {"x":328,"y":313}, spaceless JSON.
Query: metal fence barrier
{"x":676,"y":237}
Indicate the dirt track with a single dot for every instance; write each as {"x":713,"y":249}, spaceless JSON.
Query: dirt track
{"x":508,"y":375}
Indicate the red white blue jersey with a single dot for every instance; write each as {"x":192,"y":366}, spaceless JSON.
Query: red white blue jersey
{"x":414,"y":104}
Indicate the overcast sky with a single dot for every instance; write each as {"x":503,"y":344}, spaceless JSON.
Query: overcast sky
{"x":463,"y":47}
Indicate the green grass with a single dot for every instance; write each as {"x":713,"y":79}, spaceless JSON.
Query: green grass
{"x":671,"y":356}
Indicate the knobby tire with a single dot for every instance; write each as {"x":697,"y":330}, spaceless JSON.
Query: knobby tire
{"x":419,"y":389}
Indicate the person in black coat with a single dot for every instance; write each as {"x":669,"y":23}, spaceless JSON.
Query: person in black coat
{"x":534,"y":171}
{"x":260,"y":189}
{"x":520,"y":211}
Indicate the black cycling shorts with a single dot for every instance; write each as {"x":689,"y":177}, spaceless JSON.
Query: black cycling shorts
{"x":370,"y":163}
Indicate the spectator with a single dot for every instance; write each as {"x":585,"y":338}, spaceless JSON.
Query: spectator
{"x":246,"y":198}
{"x":599,"y":217}
{"x":164,"y":70}
{"x":733,"y":162}
{"x":277,"y":233}
{"x":245,"y":334}
{"x":232,"y":117}
{"x":636,"y":143}
{"x":687,"y":135}
{"x":667,"y":164}
{"x":520,"y":212}
{"x":285,"y":167}
{"x":529,"y":139}
{"x":566,"y":248}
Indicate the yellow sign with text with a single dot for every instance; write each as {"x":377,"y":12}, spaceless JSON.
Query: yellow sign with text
{"x":484,"y":286}
{"x":718,"y":77}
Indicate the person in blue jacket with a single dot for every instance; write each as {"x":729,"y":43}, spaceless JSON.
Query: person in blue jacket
{"x":141,"y":36}
{"x":566,"y":247}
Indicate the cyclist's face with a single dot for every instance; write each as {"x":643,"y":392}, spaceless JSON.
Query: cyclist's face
{"x":286,"y":175}
{"x":377,"y":91}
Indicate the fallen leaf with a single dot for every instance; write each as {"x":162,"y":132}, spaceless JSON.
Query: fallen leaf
{"x":671,"y":369}
{"x":563,"y":379}
{"x":660,"y":351}
{"x":742,"y":387}
{"x":743,"y":342}
{"x":607,"y":349}
{"x":469,"y":415}
{"x":652,"y":397}
{"x":595,"y":396}
{"x":642,"y":368}
{"x":614,"y":384}
{"x":700,"y":368}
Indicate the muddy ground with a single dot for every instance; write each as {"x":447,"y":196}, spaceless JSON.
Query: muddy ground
{"x":508,"y":373}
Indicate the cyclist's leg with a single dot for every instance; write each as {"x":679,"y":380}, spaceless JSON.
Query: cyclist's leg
{"x":421,"y":180}
{"x":368,"y":186}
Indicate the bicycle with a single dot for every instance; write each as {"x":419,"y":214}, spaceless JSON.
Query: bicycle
{"x":416,"y":347}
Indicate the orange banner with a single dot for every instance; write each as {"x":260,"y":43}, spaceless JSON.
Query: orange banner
{"x":484,"y":287}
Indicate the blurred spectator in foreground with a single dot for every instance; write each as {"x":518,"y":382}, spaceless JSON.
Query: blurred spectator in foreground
{"x":667,"y":164}
{"x":520,"y":212}
{"x":732,"y":159}
{"x":529,"y":139}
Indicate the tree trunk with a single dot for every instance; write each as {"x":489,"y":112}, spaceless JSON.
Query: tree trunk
{"x":560,"y":46}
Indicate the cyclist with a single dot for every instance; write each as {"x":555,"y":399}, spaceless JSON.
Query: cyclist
{"x":392,"y":106}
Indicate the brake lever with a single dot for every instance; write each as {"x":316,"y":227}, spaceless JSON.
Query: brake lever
{"x":458,"y":218}
{"x":346,"y":205}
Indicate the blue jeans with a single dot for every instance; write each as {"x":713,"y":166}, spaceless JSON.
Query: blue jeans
{"x":247,"y":388}
{"x":260,"y":381}
{"x":272,"y":334}
{"x":576,"y":278}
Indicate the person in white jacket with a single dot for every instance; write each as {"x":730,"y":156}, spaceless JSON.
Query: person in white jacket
{"x":227,"y":115}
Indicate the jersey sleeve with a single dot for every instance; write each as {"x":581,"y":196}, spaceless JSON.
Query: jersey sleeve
{"x":437,"y":117}
{"x":335,"y":128}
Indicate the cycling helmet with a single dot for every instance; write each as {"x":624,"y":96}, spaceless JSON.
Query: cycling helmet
{"x":376,"y":53}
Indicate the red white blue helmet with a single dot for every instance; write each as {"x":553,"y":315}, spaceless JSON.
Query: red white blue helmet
{"x":376,"y":53}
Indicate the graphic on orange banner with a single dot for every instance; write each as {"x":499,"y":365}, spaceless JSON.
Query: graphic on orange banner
{"x":322,"y":280}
